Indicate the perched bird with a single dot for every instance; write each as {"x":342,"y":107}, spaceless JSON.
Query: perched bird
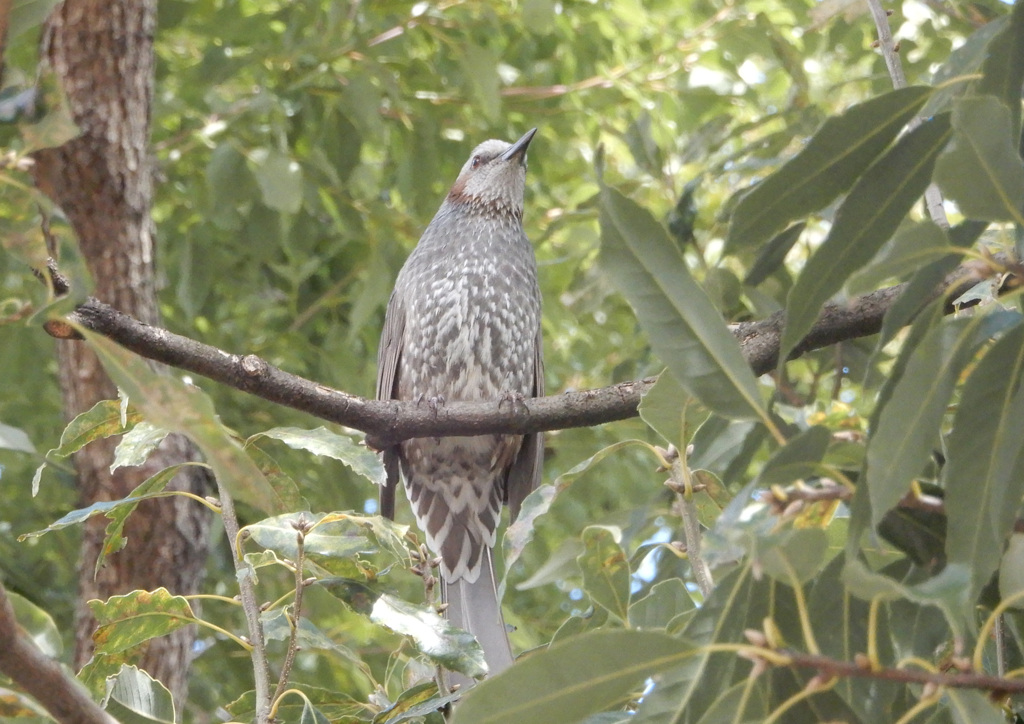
{"x":463,"y":323}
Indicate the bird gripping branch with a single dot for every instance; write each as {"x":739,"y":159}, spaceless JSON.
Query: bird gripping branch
{"x":463,"y":323}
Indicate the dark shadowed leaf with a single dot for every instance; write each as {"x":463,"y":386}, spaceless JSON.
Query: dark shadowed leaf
{"x":773,"y":254}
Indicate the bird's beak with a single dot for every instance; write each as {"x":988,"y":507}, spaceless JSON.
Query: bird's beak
{"x":518,"y":149}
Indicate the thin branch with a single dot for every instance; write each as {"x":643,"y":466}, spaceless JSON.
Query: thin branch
{"x":830,"y":667}
{"x":42,"y":677}
{"x":302,"y":526}
{"x":251,"y":607}
{"x":891,"y":52}
{"x":386,"y":423}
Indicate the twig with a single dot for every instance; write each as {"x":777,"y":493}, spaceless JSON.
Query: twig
{"x":386,"y":423}
{"x":682,"y":485}
{"x":852,"y":669}
{"x":42,"y":677}
{"x":247,"y":594}
{"x":890,"y":51}
{"x":302,"y":527}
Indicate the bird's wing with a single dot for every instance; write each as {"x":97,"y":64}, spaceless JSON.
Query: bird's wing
{"x":524,"y":476}
{"x":388,"y":356}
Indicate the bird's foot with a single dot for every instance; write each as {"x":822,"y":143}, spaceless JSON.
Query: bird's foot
{"x":514,"y":399}
{"x":436,"y":402}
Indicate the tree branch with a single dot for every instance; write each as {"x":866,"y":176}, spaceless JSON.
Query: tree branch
{"x":42,"y":677}
{"x":386,"y":423}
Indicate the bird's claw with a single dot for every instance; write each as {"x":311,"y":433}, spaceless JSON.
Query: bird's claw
{"x":515,"y":399}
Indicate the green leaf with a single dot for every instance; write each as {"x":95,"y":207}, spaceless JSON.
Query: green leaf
{"x":984,"y":473}
{"x":100,"y":421}
{"x":134,"y":697}
{"x":136,"y":445}
{"x":982,"y":171}
{"x":321,"y":441}
{"x":119,"y":509}
{"x":684,"y":328}
{"x":605,"y":568}
{"x":666,"y":601}
{"x":773,"y":254}
{"x":168,"y":402}
{"x":566,"y":682}
{"x":973,"y":707}
{"x":908,"y":425}
{"x":448,"y":646}
{"x":947,"y":591}
{"x":914,"y":246}
{"x":28,"y":14}
{"x":833,"y":159}
{"x":336,"y":542}
{"x":868,"y":217}
{"x":800,"y":457}
{"x":37,"y":624}
{"x":280,"y":180}
{"x":278,"y":626}
{"x":673,"y":413}
{"x":1003,"y":71}
{"x":123,"y":622}
{"x":414,"y":703}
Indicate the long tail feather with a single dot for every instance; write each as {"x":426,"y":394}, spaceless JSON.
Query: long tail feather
{"x":475,"y":607}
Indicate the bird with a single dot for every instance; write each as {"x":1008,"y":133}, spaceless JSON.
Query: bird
{"x":464,"y":324}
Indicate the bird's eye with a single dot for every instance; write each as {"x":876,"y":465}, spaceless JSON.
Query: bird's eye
{"x":476,"y":161}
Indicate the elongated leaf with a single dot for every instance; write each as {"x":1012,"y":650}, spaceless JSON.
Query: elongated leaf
{"x":685,"y":329}
{"x":908,"y":425}
{"x":865,"y":221}
{"x":984,"y":475}
{"x":129,"y":620}
{"x":169,"y":403}
{"x":973,"y":707}
{"x":667,"y":600}
{"x":149,"y":488}
{"x":14,"y":438}
{"x":831,"y":162}
{"x":982,"y":171}
{"x":605,"y":568}
{"x":586,"y":674}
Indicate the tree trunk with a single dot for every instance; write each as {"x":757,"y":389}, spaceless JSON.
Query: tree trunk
{"x":102,"y":51}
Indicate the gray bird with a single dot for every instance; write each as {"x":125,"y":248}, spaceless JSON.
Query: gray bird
{"x":463,"y":323}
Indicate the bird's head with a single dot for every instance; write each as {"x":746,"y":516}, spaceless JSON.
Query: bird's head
{"x":494,"y":177}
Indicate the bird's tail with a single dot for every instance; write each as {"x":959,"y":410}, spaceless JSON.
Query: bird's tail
{"x":475,"y":607}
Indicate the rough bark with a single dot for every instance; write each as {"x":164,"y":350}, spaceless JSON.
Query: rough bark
{"x":102,"y":52}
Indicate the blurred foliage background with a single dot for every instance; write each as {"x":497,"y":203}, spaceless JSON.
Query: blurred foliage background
{"x":303,"y":145}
